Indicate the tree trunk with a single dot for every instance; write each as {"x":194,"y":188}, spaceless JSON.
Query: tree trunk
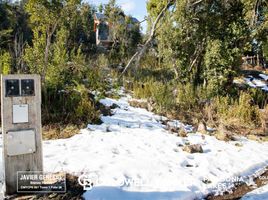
{"x":50,"y":32}
{"x":18,"y":53}
{"x":48,"y":43}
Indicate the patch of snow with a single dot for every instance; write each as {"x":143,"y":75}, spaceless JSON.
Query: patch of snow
{"x":250,"y":83}
{"x":264,"y":76}
{"x":178,"y":124}
{"x":257,"y":83}
{"x":258,"y":194}
{"x":265,"y":88}
{"x":210,"y":129}
{"x":133,"y":146}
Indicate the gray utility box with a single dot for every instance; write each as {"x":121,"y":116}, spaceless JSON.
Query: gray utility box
{"x":21,"y":126}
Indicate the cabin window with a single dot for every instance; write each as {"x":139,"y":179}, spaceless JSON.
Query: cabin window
{"x":103,"y":31}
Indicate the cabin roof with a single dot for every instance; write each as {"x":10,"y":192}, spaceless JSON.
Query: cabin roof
{"x":135,"y":20}
{"x":102,"y":17}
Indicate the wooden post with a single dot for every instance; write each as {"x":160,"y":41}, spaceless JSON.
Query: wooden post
{"x":21,"y":127}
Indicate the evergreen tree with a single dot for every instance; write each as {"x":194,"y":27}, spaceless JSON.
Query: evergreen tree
{"x":202,"y":41}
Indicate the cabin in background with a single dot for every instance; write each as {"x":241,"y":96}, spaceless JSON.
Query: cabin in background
{"x":254,"y":61}
{"x":103,"y":29}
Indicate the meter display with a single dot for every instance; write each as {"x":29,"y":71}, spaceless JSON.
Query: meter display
{"x":27,"y":87}
{"x":12,"y":87}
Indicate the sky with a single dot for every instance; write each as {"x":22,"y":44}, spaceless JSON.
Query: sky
{"x":136,"y":8}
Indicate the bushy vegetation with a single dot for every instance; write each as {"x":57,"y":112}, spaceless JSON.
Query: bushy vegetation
{"x":56,"y":39}
{"x":195,"y":104}
{"x":186,"y":73}
{"x":202,"y":44}
{"x":240,"y":112}
{"x":160,"y":94}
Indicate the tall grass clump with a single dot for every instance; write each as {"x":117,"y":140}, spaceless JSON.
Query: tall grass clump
{"x":239,"y":112}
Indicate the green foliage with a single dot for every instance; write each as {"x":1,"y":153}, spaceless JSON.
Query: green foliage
{"x":14,"y":32}
{"x":80,"y":26}
{"x":96,"y":81}
{"x":71,"y":105}
{"x":158,"y":93}
{"x":155,"y":6}
{"x":124,"y":32}
{"x":186,"y":99}
{"x":34,"y":55}
{"x":85,"y":110}
{"x":196,"y":53}
{"x":100,"y":8}
{"x":163,"y":97}
{"x":58,"y":63}
{"x":47,"y":17}
{"x":143,"y":90}
{"x":265,"y":48}
{"x":239,"y":112}
{"x":59,"y":56}
{"x":258,"y":96}
{"x":102,"y":61}
{"x":5,"y":63}
{"x":256,"y":15}
{"x":5,"y":24}
{"x":203,"y":45}
{"x":218,"y":68}
{"x":68,"y":99}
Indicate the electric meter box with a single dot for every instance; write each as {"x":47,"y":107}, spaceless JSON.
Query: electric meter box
{"x":21,"y":126}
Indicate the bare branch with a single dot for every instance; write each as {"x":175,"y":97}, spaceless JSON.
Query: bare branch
{"x":138,"y":55}
{"x":255,"y":13}
{"x":196,"y":55}
{"x":197,"y":2}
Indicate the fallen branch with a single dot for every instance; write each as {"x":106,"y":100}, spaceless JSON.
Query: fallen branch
{"x":195,"y":3}
{"x":138,"y":55}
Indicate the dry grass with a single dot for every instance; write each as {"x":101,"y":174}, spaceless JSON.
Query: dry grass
{"x":264,"y":120}
{"x":58,"y":131}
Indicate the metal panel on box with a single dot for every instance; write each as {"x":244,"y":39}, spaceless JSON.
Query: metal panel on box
{"x":20,"y":142}
{"x":20,"y":113}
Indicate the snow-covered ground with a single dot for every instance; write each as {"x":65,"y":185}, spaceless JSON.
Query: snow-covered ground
{"x":133,"y":157}
{"x":260,"y":82}
{"x":258,"y":194}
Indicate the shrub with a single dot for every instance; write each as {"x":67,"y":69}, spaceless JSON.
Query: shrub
{"x":159,"y":93}
{"x":259,"y":97}
{"x":70,"y":105}
{"x":5,"y":63}
{"x":85,"y":110}
{"x":143,"y":90}
{"x":186,"y":97}
{"x":163,"y":97}
{"x":264,"y":120}
{"x":239,"y":112}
